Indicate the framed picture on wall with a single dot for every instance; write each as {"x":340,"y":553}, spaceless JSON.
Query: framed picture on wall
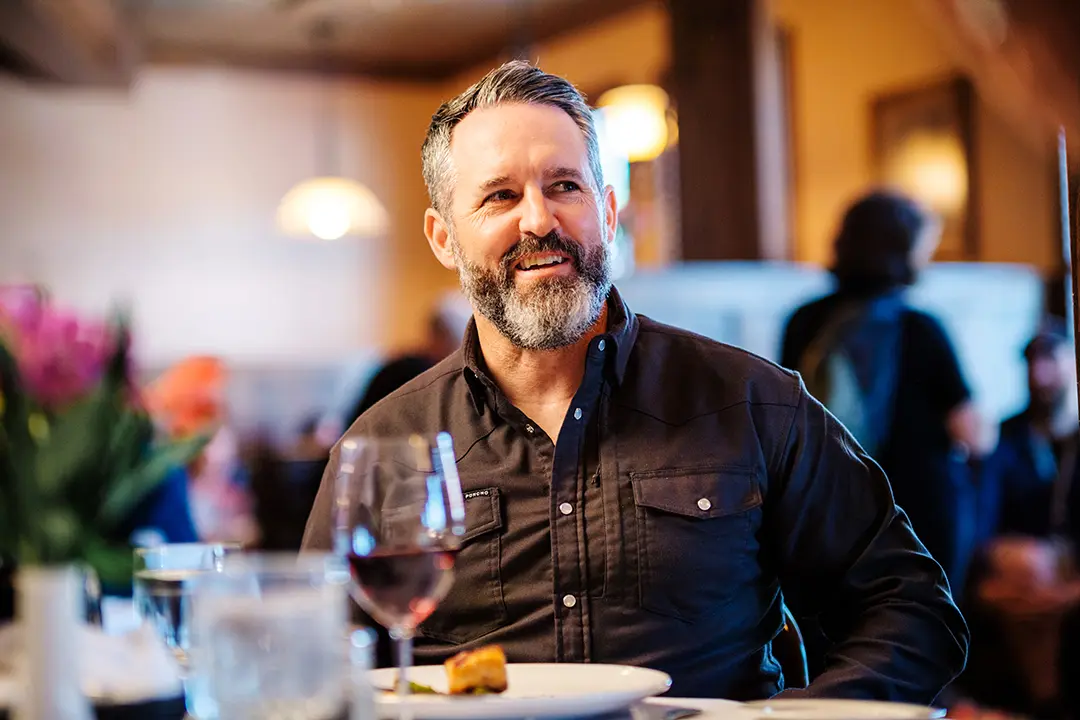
{"x":923,"y":144}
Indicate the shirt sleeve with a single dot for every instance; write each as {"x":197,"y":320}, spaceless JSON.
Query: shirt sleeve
{"x":847,"y":554}
{"x":318,"y":533}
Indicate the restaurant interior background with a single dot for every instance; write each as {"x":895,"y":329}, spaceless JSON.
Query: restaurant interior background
{"x":145,"y":148}
{"x":154,"y":155}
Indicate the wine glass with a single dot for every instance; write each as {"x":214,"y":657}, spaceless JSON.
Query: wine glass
{"x":399,"y":520}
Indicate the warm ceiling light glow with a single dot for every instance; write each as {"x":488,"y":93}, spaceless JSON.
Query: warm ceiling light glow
{"x":932,"y":167}
{"x":637,"y":120}
{"x":331,"y":208}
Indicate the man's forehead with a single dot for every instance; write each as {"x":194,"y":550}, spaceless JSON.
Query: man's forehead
{"x":495,"y":139}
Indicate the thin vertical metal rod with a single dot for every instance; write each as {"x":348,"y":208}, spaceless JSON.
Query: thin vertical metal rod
{"x":1067,"y":241}
{"x":1072,"y":253}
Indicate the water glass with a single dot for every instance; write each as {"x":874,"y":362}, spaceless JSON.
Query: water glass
{"x":269,"y":639}
{"x":161,"y":587}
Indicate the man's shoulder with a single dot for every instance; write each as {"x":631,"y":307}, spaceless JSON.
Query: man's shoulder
{"x":729,"y":373}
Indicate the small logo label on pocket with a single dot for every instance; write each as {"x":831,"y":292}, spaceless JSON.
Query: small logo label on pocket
{"x":477,"y":493}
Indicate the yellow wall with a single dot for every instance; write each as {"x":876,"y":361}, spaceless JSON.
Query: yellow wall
{"x":844,"y":53}
{"x":631,"y":47}
{"x":847,"y":51}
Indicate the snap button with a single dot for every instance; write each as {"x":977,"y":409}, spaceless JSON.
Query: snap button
{"x":569,"y":601}
{"x":566,"y":508}
{"x":704,"y":504}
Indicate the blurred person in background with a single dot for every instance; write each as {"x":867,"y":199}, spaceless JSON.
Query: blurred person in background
{"x":1022,"y":594}
{"x":1024,"y":583}
{"x":284,"y":487}
{"x":445,"y":329}
{"x":189,"y":398}
{"x":1029,"y":484}
{"x":890,"y":374}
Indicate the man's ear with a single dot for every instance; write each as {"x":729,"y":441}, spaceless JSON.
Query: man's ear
{"x":611,"y":213}
{"x":438,"y":237}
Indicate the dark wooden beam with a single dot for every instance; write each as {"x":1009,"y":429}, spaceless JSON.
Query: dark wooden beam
{"x":731,"y":131}
{"x":80,"y":42}
{"x":521,"y":34}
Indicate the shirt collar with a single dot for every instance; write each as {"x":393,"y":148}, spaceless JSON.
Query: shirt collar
{"x":618,"y":342}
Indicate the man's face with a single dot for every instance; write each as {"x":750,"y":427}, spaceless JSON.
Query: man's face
{"x":1048,"y":378}
{"x":528,"y":232}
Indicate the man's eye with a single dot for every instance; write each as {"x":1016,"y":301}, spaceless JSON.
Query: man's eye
{"x":567,"y":186}
{"x":500,"y":196}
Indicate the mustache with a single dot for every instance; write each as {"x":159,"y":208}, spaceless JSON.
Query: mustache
{"x":531,"y":244}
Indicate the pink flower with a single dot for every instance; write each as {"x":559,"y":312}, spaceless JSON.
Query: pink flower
{"x":20,"y":308}
{"x":60,"y":358}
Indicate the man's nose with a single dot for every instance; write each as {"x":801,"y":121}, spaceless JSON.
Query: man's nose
{"x":537,"y":217}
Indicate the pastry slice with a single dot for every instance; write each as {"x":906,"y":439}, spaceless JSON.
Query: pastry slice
{"x":476,"y":672}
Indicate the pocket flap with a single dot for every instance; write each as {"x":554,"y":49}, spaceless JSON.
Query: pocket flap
{"x":698,"y":493}
{"x":483,"y":513}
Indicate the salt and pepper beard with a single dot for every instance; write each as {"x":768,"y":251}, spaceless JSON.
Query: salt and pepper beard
{"x":552,"y":312}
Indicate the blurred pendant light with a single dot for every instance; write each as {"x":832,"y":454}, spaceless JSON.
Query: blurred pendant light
{"x":330,"y":207}
{"x":639,"y":120}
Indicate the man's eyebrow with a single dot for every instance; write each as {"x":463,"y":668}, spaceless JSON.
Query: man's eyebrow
{"x":494,"y":183}
{"x":565,"y":173}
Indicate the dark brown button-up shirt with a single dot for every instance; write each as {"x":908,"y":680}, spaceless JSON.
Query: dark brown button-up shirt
{"x":693,"y":490}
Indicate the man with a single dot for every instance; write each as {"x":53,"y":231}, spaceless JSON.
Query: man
{"x":1029,"y":482}
{"x":635,"y":493}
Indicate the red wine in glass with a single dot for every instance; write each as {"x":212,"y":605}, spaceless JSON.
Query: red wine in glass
{"x":402,"y":587}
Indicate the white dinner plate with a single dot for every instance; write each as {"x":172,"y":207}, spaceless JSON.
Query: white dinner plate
{"x":534,"y":690}
{"x":822,"y":709}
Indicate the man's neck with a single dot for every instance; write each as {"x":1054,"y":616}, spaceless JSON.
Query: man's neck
{"x":541,"y":383}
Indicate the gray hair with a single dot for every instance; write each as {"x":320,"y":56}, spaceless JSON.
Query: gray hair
{"x":513,"y":82}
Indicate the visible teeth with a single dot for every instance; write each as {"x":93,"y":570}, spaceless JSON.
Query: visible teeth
{"x":540,"y":261}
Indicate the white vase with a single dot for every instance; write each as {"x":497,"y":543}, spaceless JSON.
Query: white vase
{"x":48,"y":610}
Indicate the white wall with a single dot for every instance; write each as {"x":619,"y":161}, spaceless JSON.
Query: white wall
{"x":989,"y":312}
{"x":165,"y":196}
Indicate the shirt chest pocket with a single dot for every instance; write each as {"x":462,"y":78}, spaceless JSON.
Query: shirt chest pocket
{"x":474,"y":605}
{"x":696,"y":542}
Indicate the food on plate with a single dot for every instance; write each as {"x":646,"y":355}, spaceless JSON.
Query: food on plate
{"x":477,"y":672}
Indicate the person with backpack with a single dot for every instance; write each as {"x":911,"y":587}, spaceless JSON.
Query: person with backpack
{"x":889,"y":373}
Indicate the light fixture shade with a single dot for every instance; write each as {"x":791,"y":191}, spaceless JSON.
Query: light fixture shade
{"x":329,"y":208}
{"x":637,"y":120}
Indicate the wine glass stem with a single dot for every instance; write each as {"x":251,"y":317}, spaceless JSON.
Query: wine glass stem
{"x":403,"y":639}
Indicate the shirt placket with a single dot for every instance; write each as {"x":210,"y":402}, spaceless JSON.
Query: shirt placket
{"x":568,"y":530}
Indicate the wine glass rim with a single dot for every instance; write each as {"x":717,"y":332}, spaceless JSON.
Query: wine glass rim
{"x":354,"y":440}
{"x":166,"y":547}
{"x":283,"y":563}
